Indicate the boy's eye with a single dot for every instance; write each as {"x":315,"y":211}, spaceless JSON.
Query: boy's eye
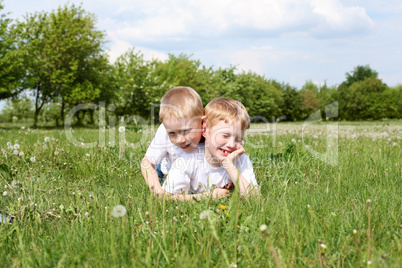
{"x":185,"y":132}
{"x":172,"y":134}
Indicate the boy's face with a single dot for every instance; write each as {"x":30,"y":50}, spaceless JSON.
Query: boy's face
{"x":184,"y":132}
{"x":221,"y":140}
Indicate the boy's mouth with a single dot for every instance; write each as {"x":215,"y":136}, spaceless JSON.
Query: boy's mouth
{"x":185,"y":147}
{"x":225,"y":152}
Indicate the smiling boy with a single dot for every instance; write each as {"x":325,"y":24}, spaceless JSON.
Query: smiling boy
{"x":221,"y":162}
{"x":181,"y":113}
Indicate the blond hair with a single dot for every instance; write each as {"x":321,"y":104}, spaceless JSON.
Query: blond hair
{"x":181,"y":102}
{"x":228,"y":110}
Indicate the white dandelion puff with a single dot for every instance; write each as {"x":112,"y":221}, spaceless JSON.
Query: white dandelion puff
{"x":21,"y":153}
{"x":33,"y":159}
{"x":294,"y":140}
{"x":205,"y":214}
{"x":47,"y":139}
{"x":5,"y":193}
{"x":56,"y":152}
{"x":16,"y":152}
{"x":122,"y":129}
{"x":119,"y":211}
{"x":87,"y":155}
{"x":263,"y":228}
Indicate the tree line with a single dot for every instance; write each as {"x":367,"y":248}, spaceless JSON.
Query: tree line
{"x":59,"y":57}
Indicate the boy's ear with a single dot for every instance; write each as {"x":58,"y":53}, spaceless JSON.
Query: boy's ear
{"x":203,"y":125}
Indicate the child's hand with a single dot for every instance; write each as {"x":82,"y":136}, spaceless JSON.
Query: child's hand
{"x":220,"y":193}
{"x":233,"y":156}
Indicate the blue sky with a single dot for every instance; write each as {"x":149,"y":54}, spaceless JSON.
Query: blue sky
{"x":291,"y":41}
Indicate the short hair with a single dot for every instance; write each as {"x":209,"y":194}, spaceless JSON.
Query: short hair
{"x":228,"y":110}
{"x":181,"y":102}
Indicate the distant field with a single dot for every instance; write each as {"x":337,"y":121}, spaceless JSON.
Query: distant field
{"x":330,"y":196}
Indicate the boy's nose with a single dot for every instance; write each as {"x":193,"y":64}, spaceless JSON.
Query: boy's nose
{"x":231,"y":144}
{"x":180,"y":139}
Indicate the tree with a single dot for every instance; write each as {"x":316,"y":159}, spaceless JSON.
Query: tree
{"x":133,"y":82}
{"x":292,"y":103}
{"x":359,"y":73}
{"x":9,"y":62}
{"x":62,"y":57}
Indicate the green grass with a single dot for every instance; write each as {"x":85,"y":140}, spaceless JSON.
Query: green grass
{"x":63,"y":205}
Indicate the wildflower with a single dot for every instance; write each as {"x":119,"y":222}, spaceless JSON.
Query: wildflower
{"x":323,"y":247}
{"x":294,"y":140}
{"x":280,"y":143}
{"x":56,"y":152}
{"x":227,"y":214}
{"x":32,"y":159}
{"x":146,"y":213}
{"x":47,"y":139}
{"x":308,"y":206}
{"x":205,"y":214}
{"x":16,"y":152}
{"x":223,"y":207}
{"x":368,"y":262}
{"x":87,"y":213}
{"x":5,"y":193}
{"x":122,"y":129}
{"x":87,"y":155}
{"x":119,"y":211}
{"x":21,"y":153}
{"x":16,"y":146}
{"x":174,"y":219}
{"x":263,"y":228}
{"x":44,"y":146}
{"x":8,"y":144}
{"x":354,"y":232}
{"x":394,"y":144}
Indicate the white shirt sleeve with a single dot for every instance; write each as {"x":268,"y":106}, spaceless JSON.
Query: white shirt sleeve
{"x":178,"y":180}
{"x":246,"y":169}
{"x":158,"y":149}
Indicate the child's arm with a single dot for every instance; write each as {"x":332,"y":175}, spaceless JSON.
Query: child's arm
{"x":228,"y":163}
{"x":178,"y":182}
{"x":151,"y":176}
{"x":216,"y":194}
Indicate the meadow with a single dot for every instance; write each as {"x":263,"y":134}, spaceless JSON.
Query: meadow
{"x":330,"y":197}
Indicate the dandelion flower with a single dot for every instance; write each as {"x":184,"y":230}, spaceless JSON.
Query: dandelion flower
{"x":9,"y":144}
{"x":294,"y":140}
{"x":5,"y":193}
{"x":223,"y":207}
{"x":47,"y":139}
{"x":119,"y":211}
{"x":44,"y":146}
{"x":21,"y":153}
{"x":205,"y":214}
{"x":87,"y":155}
{"x":354,"y":232}
{"x":32,"y":159}
{"x":16,"y":152}
{"x":122,"y":129}
{"x":263,"y":228}
{"x":16,"y":146}
{"x":87,"y":213}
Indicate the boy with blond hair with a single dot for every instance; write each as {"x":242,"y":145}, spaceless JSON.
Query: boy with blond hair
{"x":221,"y":162}
{"x":181,"y":114}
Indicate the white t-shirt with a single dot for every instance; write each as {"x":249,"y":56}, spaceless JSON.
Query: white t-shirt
{"x":162,"y":147}
{"x":191,"y":173}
